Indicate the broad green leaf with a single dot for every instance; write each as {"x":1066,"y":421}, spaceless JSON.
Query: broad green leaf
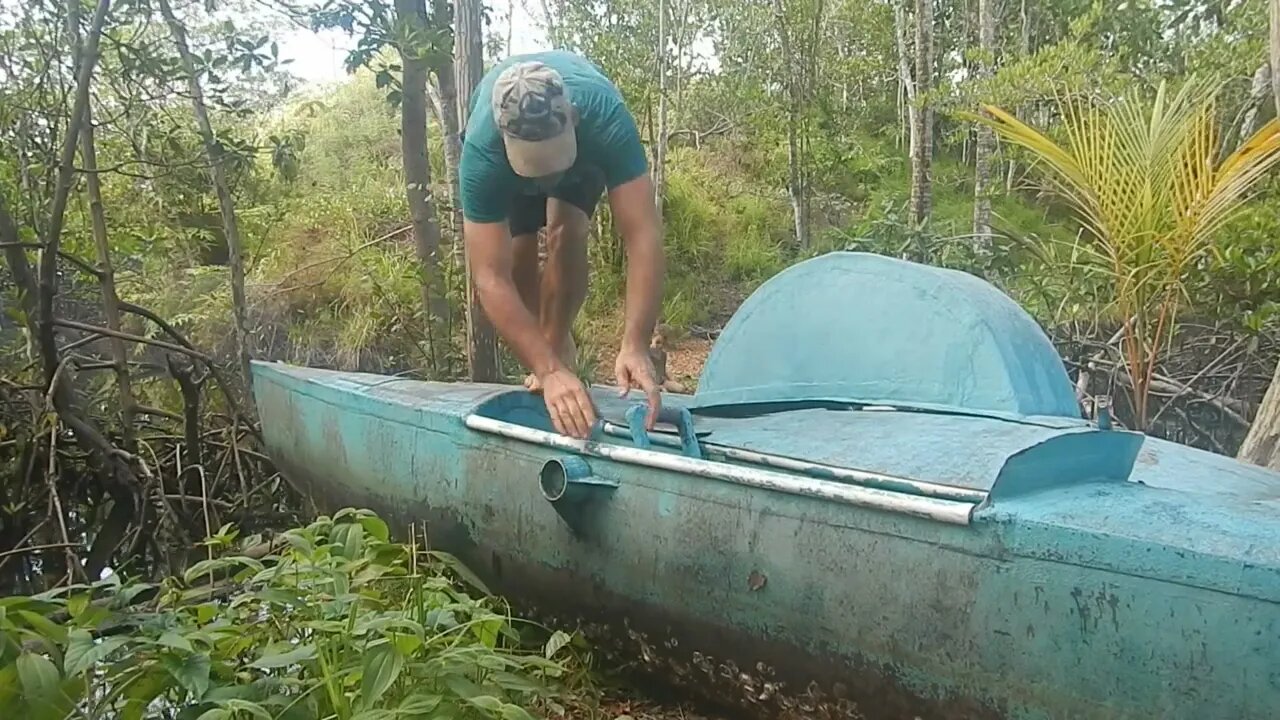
{"x":44,"y":626}
{"x":382,"y":665}
{"x":83,"y":652}
{"x":206,"y":612}
{"x":486,"y":702}
{"x":141,"y":692}
{"x":191,"y":672}
{"x":417,"y":705}
{"x":174,"y":640}
{"x":350,"y":538}
{"x":407,"y":644}
{"x":558,"y":640}
{"x":518,"y":683}
{"x":376,"y":528}
{"x":284,"y":659}
{"x":254,"y":709}
{"x":77,"y":604}
{"x":10,"y":685}
{"x":462,"y":570}
{"x":515,"y":712}
{"x":205,"y":567}
{"x":487,"y":631}
{"x":127,"y":595}
{"x":215,"y":714}
{"x":40,"y":680}
{"x":374,"y":714}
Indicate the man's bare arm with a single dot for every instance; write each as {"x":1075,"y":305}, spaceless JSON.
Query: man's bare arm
{"x":636,"y":216}
{"x":489,"y":249}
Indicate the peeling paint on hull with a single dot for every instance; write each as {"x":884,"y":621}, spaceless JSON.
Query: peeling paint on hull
{"x":1077,"y":602}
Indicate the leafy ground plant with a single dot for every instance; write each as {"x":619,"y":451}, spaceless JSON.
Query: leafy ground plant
{"x":332,"y":620}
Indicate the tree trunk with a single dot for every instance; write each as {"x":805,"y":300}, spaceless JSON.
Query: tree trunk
{"x":1258,"y":109}
{"x":106,"y":273}
{"x":986,"y":141}
{"x":922,"y":127}
{"x":447,"y":72}
{"x":107,"y":279}
{"x":794,"y":187}
{"x":482,"y":341}
{"x":85,"y":59}
{"x":217,"y":174}
{"x":1261,"y":445}
{"x":660,"y":142}
{"x":37,"y":300}
{"x":417,"y":171}
{"x":1274,"y":50}
{"x":904,"y":74}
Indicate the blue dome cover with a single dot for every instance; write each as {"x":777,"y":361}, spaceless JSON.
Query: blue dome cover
{"x":864,"y":328}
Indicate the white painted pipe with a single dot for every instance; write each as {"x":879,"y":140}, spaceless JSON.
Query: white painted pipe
{"x":862,"y":477}
{"x":948,"y":511}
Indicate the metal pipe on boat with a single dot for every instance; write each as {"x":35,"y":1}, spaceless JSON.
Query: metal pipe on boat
{"x":569,"y":479}
{"x":862,"y":477}
{"x":938,"y":509}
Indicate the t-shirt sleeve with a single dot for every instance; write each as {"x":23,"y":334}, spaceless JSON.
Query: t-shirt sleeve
{"x":481,"y":187}
{"x":625,"y":159}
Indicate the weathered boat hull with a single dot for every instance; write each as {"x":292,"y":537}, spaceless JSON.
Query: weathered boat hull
{"x":1098,"y":600}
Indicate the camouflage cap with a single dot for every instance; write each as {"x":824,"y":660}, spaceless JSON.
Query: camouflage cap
{"x":532,"y":108}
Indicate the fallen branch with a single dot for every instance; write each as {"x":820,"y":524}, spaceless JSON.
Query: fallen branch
{"x":209,"y":364}
{"x":1161,"y":384}
{"x":72,"y":324}
{"x":38,"y":548}
{"x":86,"y":267}
{"x":339,"y":259}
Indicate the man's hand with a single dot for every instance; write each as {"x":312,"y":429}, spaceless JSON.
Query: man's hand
{"x":634,"y":370}
{"x":568,"y":403}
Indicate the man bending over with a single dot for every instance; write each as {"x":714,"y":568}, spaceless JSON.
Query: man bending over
{"x":547,"y":136}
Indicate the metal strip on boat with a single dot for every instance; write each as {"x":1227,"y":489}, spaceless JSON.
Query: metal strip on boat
{"x":881,"y":481}
{"x":931,"y":508}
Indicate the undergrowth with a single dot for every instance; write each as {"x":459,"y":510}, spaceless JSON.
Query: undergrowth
{"x":329,"y":620}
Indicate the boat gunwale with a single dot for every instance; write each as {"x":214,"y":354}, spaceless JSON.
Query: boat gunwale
{"x":952,"y":512}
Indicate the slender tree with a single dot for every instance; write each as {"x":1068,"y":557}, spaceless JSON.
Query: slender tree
{"x":216,"y":156}
{"x":986,"y":141}
{"x":482,"y":341}
{"x":795,"y":89}
{"x":660,"y":142}
{"x":412,"y":16}
{"x":922,"y":126}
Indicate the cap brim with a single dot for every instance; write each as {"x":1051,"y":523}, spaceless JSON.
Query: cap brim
{"x":530,"y":158}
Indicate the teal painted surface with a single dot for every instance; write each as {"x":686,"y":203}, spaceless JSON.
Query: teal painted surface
{"x":1083,"y":598}
{"x":1102,"y":575}
{"x":871,"y":329}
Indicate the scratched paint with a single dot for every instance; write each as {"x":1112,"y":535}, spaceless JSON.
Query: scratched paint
{"x":1101,"y":575}
{"x":1093,"y":601}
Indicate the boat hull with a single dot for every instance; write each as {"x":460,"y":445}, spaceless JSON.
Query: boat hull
{"x":792,"y":605}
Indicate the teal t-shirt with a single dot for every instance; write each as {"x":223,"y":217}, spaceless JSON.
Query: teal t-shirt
{"x":607,"y":138}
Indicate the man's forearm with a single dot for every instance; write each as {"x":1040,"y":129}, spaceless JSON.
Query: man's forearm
{"x":646,"y":266}
{"x":513,"y":321}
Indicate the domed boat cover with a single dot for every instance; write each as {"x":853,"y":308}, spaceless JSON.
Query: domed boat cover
{"x":868,"y":329}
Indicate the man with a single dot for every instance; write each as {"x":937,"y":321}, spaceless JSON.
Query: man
{"x":548,"y":135}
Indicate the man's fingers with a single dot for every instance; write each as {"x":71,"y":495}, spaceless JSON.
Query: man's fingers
{"x":578,"y":416}
{"x":624,"y":381}
{"x":655,"y":404}
{"x":556,"y":421}
{"x":588,"y":411}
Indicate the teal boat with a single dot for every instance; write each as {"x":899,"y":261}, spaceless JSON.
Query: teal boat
{"x":882,"y":501}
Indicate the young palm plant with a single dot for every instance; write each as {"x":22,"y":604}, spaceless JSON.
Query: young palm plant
{"x":1148,"y":181}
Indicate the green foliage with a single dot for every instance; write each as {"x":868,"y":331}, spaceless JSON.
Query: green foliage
{"x":335,"y":620}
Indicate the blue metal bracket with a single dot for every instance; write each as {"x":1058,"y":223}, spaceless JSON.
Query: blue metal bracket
{"x":678,"y":416}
